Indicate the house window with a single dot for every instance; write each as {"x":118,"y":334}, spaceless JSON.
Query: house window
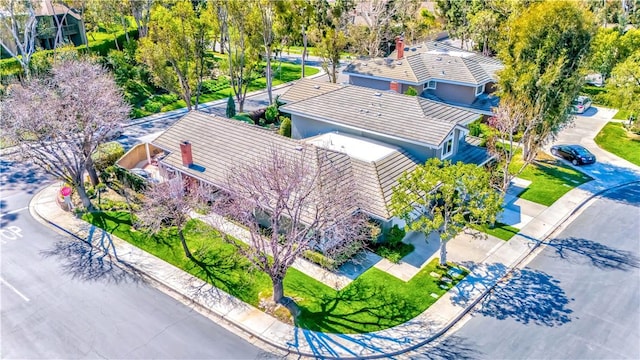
{"x":430,"y":85}
{"x":447,"y":149}
{"x":479,"y":90}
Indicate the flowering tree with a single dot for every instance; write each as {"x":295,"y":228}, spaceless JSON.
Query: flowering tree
{"x":59,"y":121}
{"x":303,"y":199}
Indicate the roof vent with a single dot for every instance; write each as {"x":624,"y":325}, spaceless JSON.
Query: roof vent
{"x":316,"y":86}
{"x":299,"y":148}
{"x":442,"y":72}
{"x":438,"y":58}
{"x":376,"y":94}
{"x":364,"y":64}
{"x":361,"y":110}
{"x":399,"y":62}
{"x":379,"y":114}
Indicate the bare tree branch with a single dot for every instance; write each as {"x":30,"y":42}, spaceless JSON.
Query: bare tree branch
{"x":292,"y":203}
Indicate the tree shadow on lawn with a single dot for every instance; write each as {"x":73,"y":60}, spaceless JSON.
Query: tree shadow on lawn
{"x":361,"y":305}
{"x":525,"y":295}
{"x":577,"y":250}
{"x":222,"y":269}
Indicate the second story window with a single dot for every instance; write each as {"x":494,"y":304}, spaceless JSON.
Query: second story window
{"x":430,"y":85}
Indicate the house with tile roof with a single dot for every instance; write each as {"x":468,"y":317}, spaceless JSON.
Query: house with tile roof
{"x":421,"y":127}
{"x":437,"y":71}
{"x":206,"y":148}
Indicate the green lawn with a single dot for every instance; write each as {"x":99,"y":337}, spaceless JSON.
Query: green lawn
{"x":500,"y":230}
{"x":550,"y":179}
{"x":282,"y":73}
{"x":616,"y":140}
{"x":622,"y":115}
{"x":374,"y":301}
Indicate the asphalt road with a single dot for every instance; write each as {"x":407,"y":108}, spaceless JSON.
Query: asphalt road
{"x":578,"y":299}
{"x":61,"y":300}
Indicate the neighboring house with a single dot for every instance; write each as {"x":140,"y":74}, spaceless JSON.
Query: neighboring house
{"x":436,"y":71}
{"x":206,"y":148}
{"x":73,"y":30}
{"x":421,"y":127}
{"x":47,"y":11}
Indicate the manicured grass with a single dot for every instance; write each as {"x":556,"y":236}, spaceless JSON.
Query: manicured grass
{"x":282,"y":72}
{"x":374,"y":301}
{"x":550,"y":179}
{"x":616,"y":140}
{"x":499,"y":230}
{"x":393,"y":252}
{"x":622,"y":115}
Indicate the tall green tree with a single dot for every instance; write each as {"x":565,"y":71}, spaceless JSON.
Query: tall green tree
{"x":243,"y":48}
{"x":174,"y":49}
{"x":624,"y":85}
{"x":483,"y":29}
{"x":455,"y":15}
{"x":330,"y":33}
{"x":542,"y":51}
{"x":444,"y":197}
{"x":293,"y":20}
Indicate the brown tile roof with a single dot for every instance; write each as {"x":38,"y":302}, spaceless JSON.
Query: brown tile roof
{"x":219,"y":145}
{"x":307,"y":88}
{"x":389,"y":114}
{"x":431,"y":60}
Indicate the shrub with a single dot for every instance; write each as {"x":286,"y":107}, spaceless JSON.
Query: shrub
{"x":244,"y":117}
{"x":285,"y":127}
{"x":271,"y":114}
{"x":411,"y":91}
{"x":375,"y":230}
{"x":166,"y":99}
{"x":319,"y":259}
{"x":395,"y":235}
{"x":474,"y":128}
{"x":152,"y":106}
{"x":231,"y":107}
{"x":106,"y":155}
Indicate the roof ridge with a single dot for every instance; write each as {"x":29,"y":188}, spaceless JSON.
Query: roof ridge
{"x":379,"y":185}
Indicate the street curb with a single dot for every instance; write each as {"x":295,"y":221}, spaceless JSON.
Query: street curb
{"x":252,"y":337}
{"x":233,"y":327}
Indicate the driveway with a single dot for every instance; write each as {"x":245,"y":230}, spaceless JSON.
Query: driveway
{"x":583,"y":131}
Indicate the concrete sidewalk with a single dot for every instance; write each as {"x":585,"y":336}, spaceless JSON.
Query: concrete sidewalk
{"x":487,"y":266}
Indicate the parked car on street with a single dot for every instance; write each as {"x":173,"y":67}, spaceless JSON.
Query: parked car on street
{"x":580,"y":104}
{"x":577,"y":154}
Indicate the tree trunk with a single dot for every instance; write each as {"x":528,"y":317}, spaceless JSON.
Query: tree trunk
{"x":86,"y":202}
{"x":443,"y":252}
{"x":268,"y":74}
{"x":123,"y":20}
{"x":304,"y":47}
{"x":278,"y":289}
{"x":91,"y":170}
{"x":187,"y":252}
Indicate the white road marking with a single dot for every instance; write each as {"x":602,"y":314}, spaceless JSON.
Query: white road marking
{"x":14,"y":211}
{"x":14,"y":290}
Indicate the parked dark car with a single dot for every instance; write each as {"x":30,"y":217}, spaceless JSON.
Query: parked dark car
{"x":577,"y":154}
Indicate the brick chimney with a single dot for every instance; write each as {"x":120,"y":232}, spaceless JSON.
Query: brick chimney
{"x":187,"y":157}
{"x":394,"y":86}
{"x":400,"y":47}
